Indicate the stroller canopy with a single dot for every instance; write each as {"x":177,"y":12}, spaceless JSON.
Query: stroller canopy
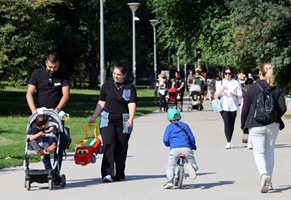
{"x":54,"y":119}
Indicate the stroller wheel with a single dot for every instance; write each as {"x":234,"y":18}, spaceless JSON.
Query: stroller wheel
{"x":63,"y":180}
{"x":27,"y":185}
{"x":50,"y":184}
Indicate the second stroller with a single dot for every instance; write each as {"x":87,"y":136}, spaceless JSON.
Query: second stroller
{"x":195,"y":97}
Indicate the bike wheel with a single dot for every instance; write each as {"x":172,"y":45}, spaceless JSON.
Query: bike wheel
{"x":180,"y":177}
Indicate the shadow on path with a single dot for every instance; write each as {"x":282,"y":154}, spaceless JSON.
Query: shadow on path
{"x":205,"y":186}
{"x":280,"y":189}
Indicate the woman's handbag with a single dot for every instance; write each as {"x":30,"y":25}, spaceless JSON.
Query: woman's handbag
{"x":216,"y":105}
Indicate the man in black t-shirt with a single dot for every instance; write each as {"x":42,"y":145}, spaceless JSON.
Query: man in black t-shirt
{"x":53,"y":91}
{"x":51,"y":84}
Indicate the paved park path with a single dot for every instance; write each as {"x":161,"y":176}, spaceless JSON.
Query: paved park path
{"x":223,"y":174}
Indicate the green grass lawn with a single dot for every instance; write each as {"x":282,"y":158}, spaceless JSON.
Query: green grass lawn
{"x":14,"y":114}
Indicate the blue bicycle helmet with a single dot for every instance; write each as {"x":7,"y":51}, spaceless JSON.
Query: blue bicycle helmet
{"x":174,"y":114}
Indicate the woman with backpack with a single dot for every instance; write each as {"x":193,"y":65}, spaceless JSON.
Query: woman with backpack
{"x":263,"y":123}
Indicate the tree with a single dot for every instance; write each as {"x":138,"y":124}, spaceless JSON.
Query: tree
{"x":22,"y":37}
{"x":262,"y":33}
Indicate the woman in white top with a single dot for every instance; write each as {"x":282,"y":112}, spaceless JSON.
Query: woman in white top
{"x":229,"y":92}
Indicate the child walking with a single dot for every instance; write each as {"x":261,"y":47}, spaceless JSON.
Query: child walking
{"x":179,"y":137}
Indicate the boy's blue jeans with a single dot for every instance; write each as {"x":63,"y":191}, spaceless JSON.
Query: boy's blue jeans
{"x":173,"y":158}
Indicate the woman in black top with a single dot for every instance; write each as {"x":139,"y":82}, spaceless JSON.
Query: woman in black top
{"x":116,"y":107}
{"x":263,"y":134}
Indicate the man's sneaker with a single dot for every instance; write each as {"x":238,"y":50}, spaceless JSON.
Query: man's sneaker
{"x":191,"y":170}
{"x":265,"y":180}
{"x":229,"y":145}
{"x":116,"y":178}
{"x":107,"y":179}
{"x":168,"y":185}
{"x":52,"y":147}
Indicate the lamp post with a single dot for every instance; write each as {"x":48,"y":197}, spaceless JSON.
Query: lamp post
{"x":154,"y":23}
{"x":101,"y":44}
{"x":133,"y":7}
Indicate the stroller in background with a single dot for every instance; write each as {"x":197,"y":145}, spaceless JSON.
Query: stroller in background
{"x":52,"y":177}
{"x":172,"y":98}
{"x":195,"y":97}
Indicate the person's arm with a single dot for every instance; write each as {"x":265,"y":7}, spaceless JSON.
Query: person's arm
{"x":238,"y":92}
{"x":64,"y":100}
{"x":173,"y":82}
{"x":246,"y":107}
{"x":131,"y":109}
{"x":99,"y":107}
{"x":282,"y":104}
{"x":166,"y":139}
{"x":37,"y":135}
{"x":49,"y":130}
{"x":192,"y":138}
{"x":29,"y":97}
{"x":181,"y":86}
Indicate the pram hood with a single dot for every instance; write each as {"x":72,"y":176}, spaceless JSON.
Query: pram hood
{"x":173,"y":90}
{"x":54,"y":119}
{"x":195,"y":87}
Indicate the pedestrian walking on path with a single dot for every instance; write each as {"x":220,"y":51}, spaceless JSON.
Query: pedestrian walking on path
{"x":116,"y":106}
{"x":263,"y":134}
{"x":229,"y":92}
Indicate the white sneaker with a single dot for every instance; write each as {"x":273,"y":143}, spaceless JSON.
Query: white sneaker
{"x":168,"y":185}
{"x":265,"y":181}
{"x":250,"y":146}
{"x":191,"y":170}
{"x":229,"y":145}
{"x":107,"y":179}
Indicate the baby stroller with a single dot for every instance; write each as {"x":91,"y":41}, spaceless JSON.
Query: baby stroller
{"x":52,"y":176}
{"x":172,"y":98}
{"x":195,"y":97}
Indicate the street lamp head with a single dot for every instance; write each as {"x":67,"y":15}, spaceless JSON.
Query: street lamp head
{"x":133,"y":6}
{"x":153,"y":22}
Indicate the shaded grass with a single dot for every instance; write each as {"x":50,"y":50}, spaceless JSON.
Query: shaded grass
{"x":14,"y":114}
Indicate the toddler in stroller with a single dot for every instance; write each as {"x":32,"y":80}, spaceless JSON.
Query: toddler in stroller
{"x":195,"y":97}
{"x":43,"y":137}
{"x":172,"y":98}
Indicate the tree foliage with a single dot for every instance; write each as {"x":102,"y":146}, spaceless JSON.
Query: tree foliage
{"x":22,"y":37}
{"x":32,"y":28}
{"x":240,"y":33}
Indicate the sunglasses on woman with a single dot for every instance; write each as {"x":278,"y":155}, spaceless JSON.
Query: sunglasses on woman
{"x":227,"y":73}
